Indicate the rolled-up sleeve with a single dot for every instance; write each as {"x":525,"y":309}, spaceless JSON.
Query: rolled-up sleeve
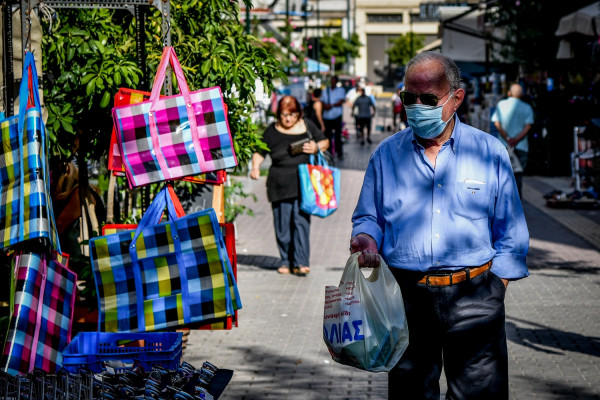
{"x":366,"y":218}
{"x":510,"y":236}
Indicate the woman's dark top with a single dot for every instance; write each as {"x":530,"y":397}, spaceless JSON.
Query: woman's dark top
{"x":283,"y":181}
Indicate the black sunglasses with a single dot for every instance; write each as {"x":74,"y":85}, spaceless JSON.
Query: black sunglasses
{"x":410,"y":98}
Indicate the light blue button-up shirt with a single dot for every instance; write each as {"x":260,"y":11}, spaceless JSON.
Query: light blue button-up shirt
{"x":332,"y":96}
{"x":513,"y":115}
{"x":463,"y":213}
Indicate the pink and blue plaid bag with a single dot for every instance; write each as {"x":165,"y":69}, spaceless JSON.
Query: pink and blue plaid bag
{"x":42,"y":314}
{"x":25,"y":202}
{"x":171,"y":137}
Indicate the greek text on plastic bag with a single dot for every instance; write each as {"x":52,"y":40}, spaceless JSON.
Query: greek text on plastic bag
{"x":364,"y":324}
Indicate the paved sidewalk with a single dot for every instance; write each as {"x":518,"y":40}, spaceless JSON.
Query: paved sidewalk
{"x":553,"y":323}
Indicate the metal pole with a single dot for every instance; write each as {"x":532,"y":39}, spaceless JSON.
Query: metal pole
{"x":9,"y":75}
{"x":306,"y":30}
{"x":25,"y":27}
{"x":349,"y":40}
{"x":318,"y":41}
{"x":576,"y":158}
{"x":140,"y":43}
{"x":287,"y":23}
{"x":247,"y":20}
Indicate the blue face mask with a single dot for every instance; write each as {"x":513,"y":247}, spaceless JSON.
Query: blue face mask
{"x":426,"y":121}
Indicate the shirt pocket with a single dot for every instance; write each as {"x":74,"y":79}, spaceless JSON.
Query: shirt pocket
{"x":472,"y":200}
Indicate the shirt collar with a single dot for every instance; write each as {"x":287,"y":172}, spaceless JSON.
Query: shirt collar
{"x":453,"y":138}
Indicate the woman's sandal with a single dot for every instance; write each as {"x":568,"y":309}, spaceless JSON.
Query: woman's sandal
{"x":284,"y":270}
{"x":302,"y":270}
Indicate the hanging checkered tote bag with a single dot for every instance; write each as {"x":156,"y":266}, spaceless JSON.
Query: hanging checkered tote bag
{"x":126,"y":96}
{"x":170,"y":137}
{"x":42,"y":314}
{"x":25,"y":203}
{"x":163,"y":275}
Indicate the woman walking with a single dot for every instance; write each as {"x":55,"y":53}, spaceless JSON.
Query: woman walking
{"x":292,"y":226}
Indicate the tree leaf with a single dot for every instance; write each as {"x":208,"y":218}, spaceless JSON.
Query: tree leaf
{"x":105,"y":100}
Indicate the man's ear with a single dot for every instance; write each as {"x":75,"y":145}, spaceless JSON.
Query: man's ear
{"x":459,"y":96}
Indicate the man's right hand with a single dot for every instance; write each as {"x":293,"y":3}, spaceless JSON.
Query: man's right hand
{"x":368,"y":246}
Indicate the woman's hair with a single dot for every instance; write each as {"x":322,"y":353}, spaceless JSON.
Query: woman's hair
{"x":289,"y":104}
{"x":317,"y":92}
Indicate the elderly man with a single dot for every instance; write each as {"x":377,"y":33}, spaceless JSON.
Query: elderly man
{"x":513,"y":119}
{"x":439,"y":204}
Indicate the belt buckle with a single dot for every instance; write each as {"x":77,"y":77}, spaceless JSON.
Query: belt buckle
{"x":438,"y":275}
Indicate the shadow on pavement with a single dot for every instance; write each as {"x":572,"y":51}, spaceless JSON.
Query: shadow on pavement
{"x":542,"y":227}
{"x":559,"y":390}
{"x":549,"y":340}
{"x":539,"y":259}
{"x":265,"y":374}
{"x":258,"y":260}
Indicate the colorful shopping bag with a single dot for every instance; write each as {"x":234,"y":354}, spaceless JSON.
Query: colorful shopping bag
{"x":25,"y":203}
{"x":42,"y":313}
{"x":174,"y":136}
{"x":319,"y":187}
{"x":228,"y":230}
{"x":163,"y":275}
{"x":115,"y":161}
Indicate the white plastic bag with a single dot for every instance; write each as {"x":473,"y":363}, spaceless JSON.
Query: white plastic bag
{"x":364,"y":323}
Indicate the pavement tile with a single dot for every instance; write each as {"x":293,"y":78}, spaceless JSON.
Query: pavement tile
{"x":552,"y":319}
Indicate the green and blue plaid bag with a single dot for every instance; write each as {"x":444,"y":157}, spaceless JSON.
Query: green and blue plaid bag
{"x":163,"y":275}
{"x":25,"y":203}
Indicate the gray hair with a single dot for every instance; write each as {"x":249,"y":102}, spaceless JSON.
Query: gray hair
{"x":450,"y":67}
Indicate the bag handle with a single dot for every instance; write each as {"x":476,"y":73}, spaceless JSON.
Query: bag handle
{"x":169,"y":57}
{"x":153,"y":215}
{"x":29,"y":97}
{"x":319,"y":159}
{"x":29,"y":88}
{"x":43,"y":271}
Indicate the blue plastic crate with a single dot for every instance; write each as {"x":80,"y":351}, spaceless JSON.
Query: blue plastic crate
{"x":89,"y":350}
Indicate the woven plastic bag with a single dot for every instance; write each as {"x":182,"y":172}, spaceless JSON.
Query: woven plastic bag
{"x":364,"y":323}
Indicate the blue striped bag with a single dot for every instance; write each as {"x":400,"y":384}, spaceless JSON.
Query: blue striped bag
{"x":25,"y":203}
{"x":163,"y":275}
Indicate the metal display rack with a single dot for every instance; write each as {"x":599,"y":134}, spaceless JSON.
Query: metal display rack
{"x":136,"y":7}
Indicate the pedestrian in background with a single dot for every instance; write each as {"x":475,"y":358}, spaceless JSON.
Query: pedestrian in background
{"x":333,"y":103}
{"x":439,"y":204}
{"x":314,"y":109}
{"x":292,"y":226}
{"x":363,"y":110}
{"x":397,"y":108}
{"x":514,"y":118}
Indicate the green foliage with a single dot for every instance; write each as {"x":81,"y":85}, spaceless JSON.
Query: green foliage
{"x":233,"y":192}
{"x":87,"y":56}
{"x":404,"y":47}
{"x":91,"y":53}
{"x":336,"y":45}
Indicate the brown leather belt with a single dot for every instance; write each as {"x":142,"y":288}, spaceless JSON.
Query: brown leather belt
{"x":451,"y":278}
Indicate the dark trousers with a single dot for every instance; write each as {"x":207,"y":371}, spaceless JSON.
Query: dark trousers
{"x":292,"y":230}
{"x":460,"y":326}
{"x":334,"y":127}
{"x":523,"y":157}
{"x":362,"y":124}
